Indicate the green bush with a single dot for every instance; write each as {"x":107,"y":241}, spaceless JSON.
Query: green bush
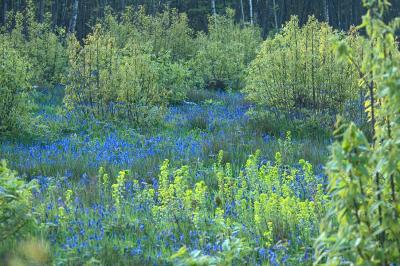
{"x":111,"y":82}
{"x":47,"y":53}
{"x":40,"y":43}
{"x":167,"y":37}
{"x":16,"y":216}
{"x":15,"y":76}
{"x":175,"y":77}
{"x":297,"y":69}
{"x":33,"y":56}
{"x":167,"y":31}
{"x":171,"y":41}
{"x":224,"y":53}
{"x":129,"y":68}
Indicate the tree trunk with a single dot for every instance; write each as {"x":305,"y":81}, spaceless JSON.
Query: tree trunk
{"x":54,"y":14}
{"x":102,"y":8}
{"x":263,"y":11}
{"x":242,"y":10}
{"x":123,"y":5}
{"x":251,"y":11}
{"x":154,"y":7}
{"x":339,"y":15}
{"x":41,"y":10}
{"x":214,"y":11}
{"x":63,"y":12}
{"x":5,"y":12}
{"x":326,"y":10}
{"x":74,"y":17}
{"x":275,"y":9}
{"x":313,"y":69}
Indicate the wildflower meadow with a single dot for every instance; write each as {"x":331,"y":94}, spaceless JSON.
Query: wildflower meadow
{"x":137,"y":133}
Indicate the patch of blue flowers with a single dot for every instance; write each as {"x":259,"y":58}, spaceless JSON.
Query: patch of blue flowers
{"x":84,"y":152}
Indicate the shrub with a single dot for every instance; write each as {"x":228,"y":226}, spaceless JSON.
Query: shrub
{"x":111,"y":82}
{"x":166,"y":31}
{"x":126,"y":70}
{"x":171,"y":40}
{"x":39,"y":42}
{"x":297,"y":69}
{"x":167,"y":36}
{"x":16,"y":217}
{"x":47,"y":52}
{"x":15,"y":76}
{"x":224,"y":53}
{"x":175,"y":77}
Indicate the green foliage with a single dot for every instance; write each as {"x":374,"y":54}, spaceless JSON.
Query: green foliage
{"x":112,"y":82}
{"x":130,"y":68}
{"x":175,"y":77}
{"x":264,"y":199}
{"x":273,"y":213}
{"x":225,"y":210}
{"x":362,"y":225}
{"x":40,"y":43}
{"x":167,"y":31}
{"x":167,"y":36}
{"x":32,"y":56}
{"x":15,"y":75}
{"x":170,"y":40}
{"x":16,"y":217}
{"x":224,"y":53}
{"x":297,"y":69}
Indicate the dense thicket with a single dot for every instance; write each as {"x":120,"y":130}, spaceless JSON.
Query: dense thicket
{"x":15,"y":78}
{"x":269,"y":14}
{"x":111,"y":82}
{"x":40,"y":44}
{"x":129,"y":68}
{"x":297,"y":69}
{"x":124,"y":70}
{"x":224,"y":53}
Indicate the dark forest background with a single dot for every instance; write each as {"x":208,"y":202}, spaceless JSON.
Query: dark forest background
{"x":268,"y":14}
